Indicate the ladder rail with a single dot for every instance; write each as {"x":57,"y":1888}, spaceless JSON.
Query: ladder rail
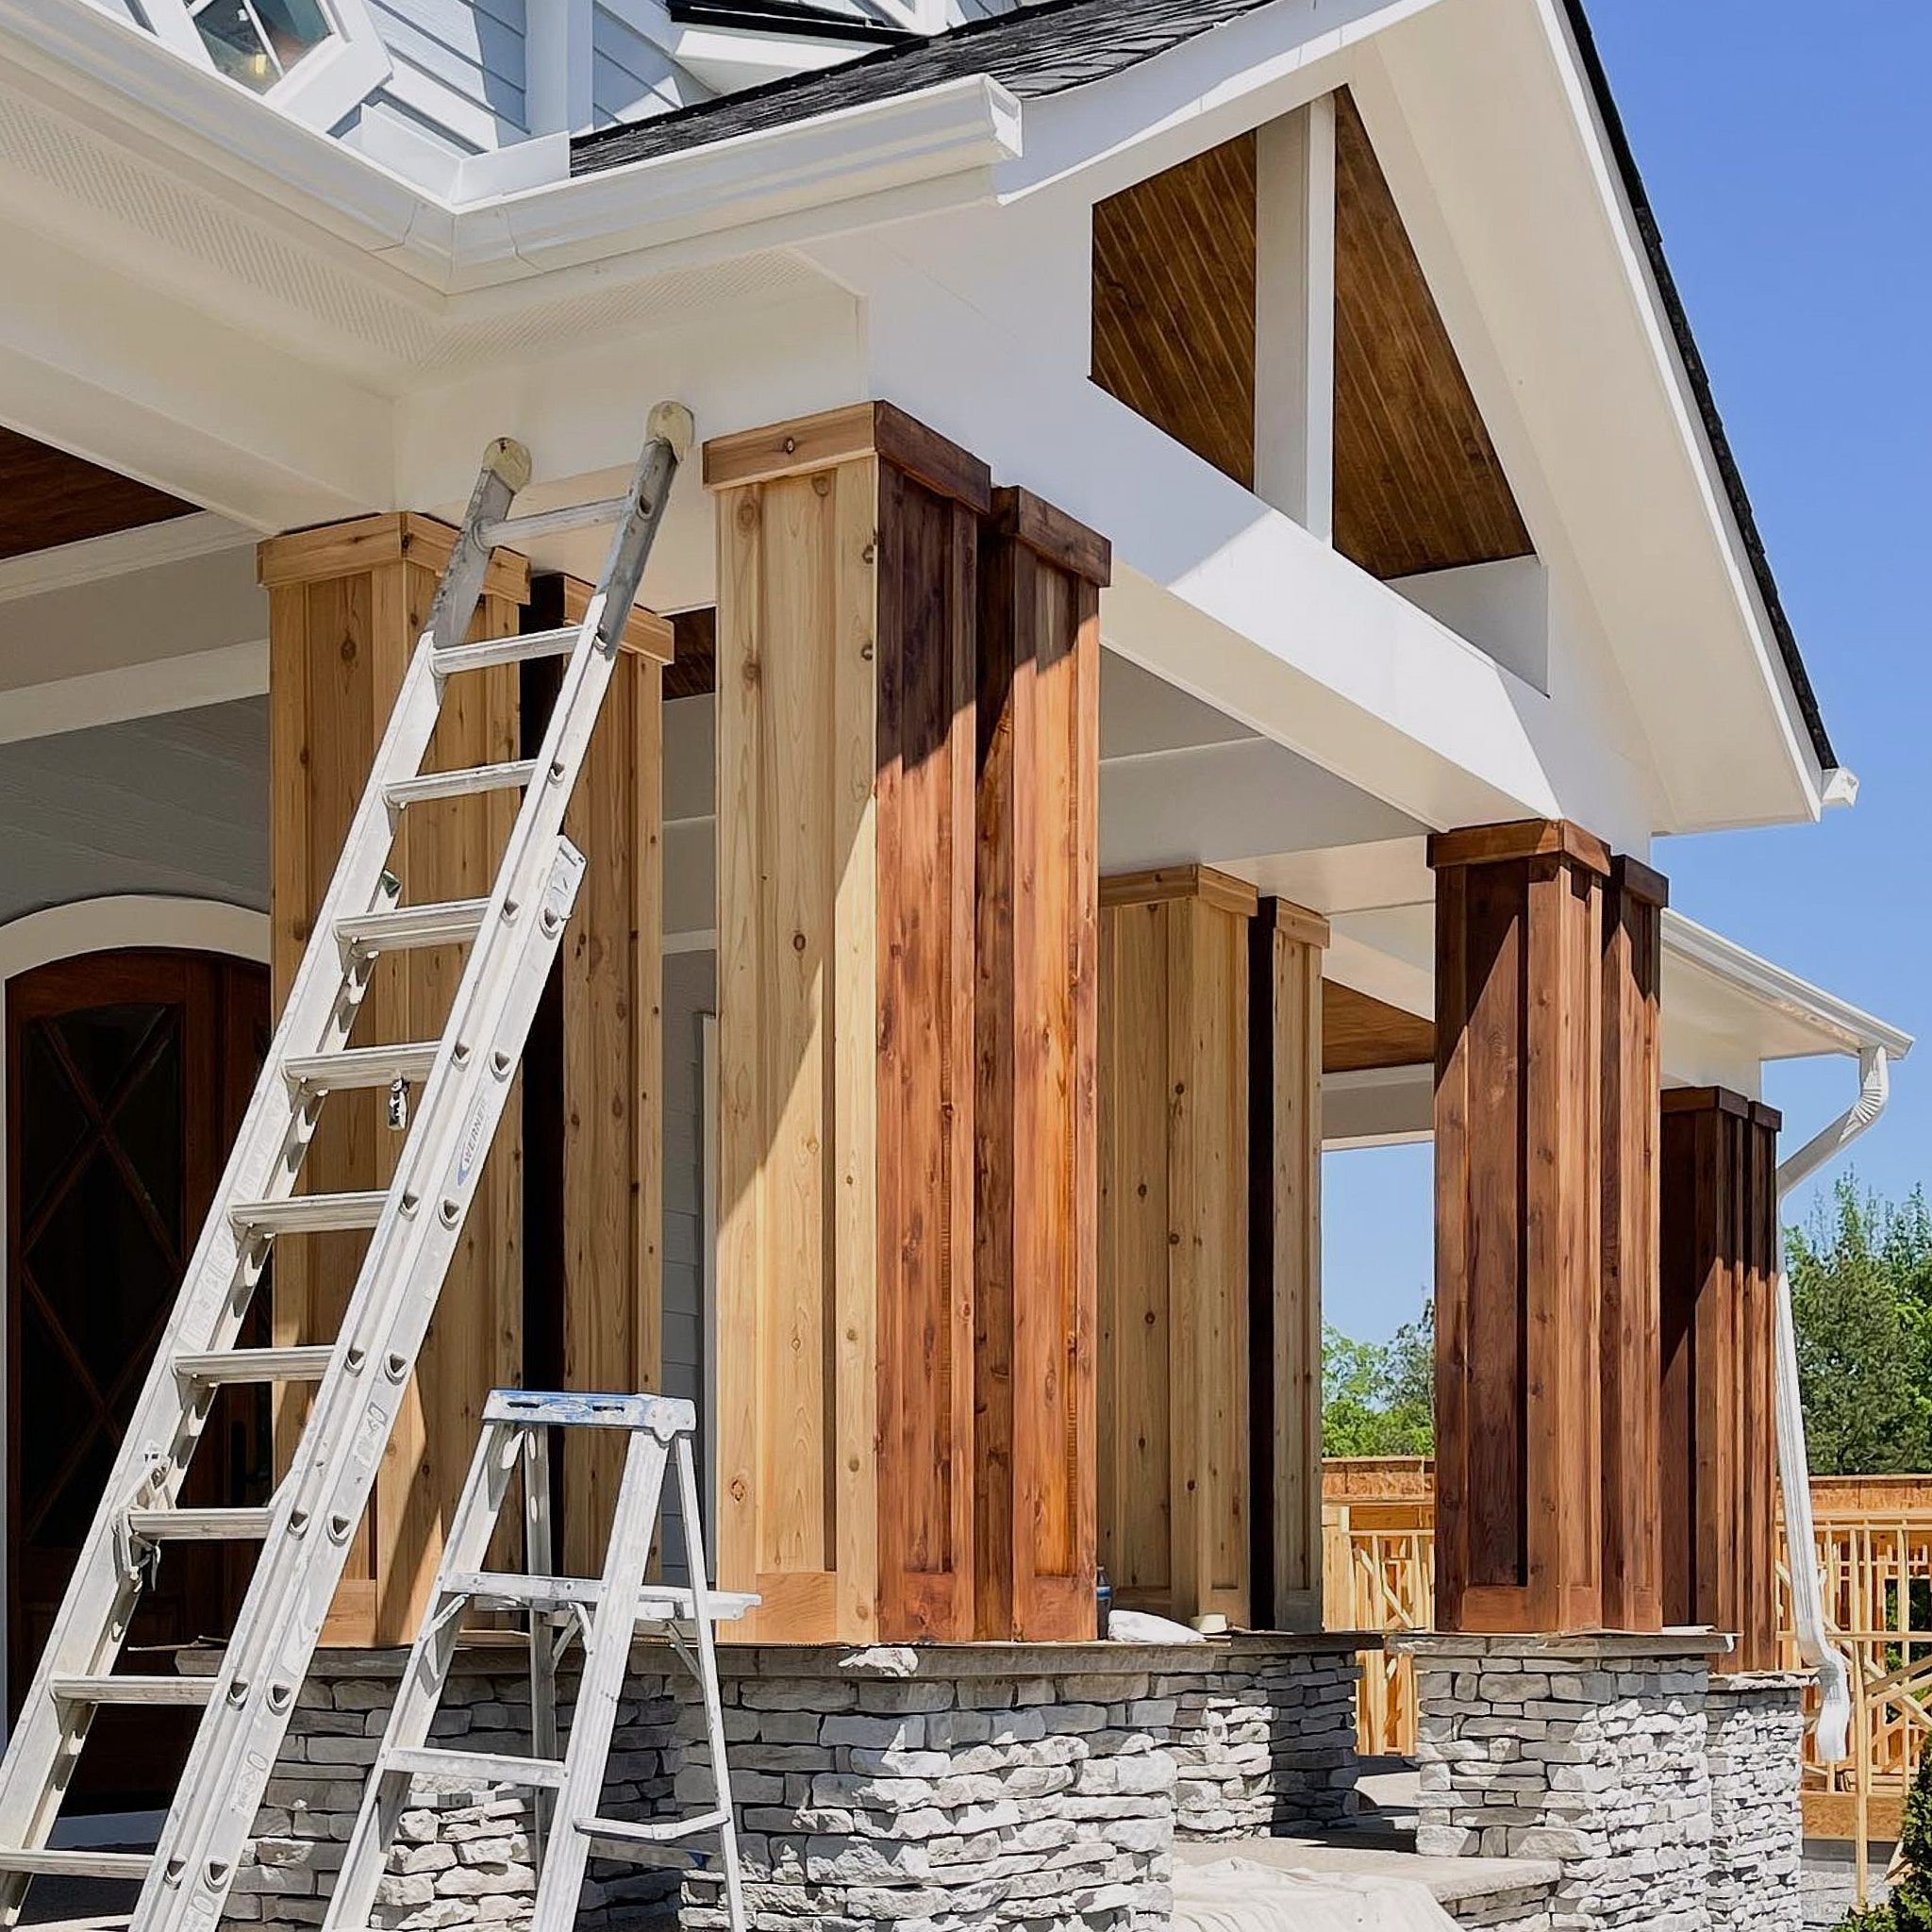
{"x":217,"y":1283}
{"x":208,"y":1826}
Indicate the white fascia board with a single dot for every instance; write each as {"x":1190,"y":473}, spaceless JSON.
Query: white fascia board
{"x":214,"y":676}
{"x":1786,"y":1016}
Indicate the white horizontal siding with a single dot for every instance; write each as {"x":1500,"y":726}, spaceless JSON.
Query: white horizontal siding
{"x":631,"y":76}
{"x":458,"y":68}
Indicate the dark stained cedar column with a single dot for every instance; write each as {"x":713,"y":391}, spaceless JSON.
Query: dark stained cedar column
{"x":1519,"y":1046}
{"x":847,"y":607}
{"x":1285,"y":947}
{"x":1040,"y":575}
{"x":1633,"y":963}
{"x":1719,"y":1337}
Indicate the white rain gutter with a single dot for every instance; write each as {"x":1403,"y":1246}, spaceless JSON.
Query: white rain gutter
{"x":1795,"y":1469}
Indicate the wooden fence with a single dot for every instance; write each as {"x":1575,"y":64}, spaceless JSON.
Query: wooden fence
{"x":1875,"y":1555}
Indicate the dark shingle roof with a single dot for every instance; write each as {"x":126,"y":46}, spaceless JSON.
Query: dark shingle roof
{"x":1052,"y":46}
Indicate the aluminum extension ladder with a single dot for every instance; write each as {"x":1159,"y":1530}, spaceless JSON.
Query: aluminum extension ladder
{"x":606,"y":1611}
{"x":463,"y":1081}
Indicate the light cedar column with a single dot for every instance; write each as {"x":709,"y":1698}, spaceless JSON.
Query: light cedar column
{"x":1719,"y":1342}
{"x":1285,"y":945}
{"x":346,"y":606}
{"x":1519,"y":1206}
{"x":1035,"y":1254}
{"x":847,"y":563}
{"x":1173,"y":1242}
{"x":1634,"y":900}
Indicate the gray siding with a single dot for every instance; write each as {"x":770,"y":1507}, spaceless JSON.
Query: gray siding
{"x":175,"y":804}
{"x":632,"y":77}
{"x":459,"y":69}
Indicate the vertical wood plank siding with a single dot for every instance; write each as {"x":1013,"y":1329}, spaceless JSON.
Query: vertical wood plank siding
{"x":346,"y":603}
{"x":1634,"y":900}
{"x":1719,"y":1450}
{"x":1285,"y":1004}
{"x":846,"y":617}
{"x":1519,"y":978}
{"x":1036,"y":1027}
{"x":1173,"y":1242}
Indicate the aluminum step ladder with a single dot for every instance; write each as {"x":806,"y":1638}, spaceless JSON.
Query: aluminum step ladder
{"x":607,"y":1611}
{"x":463,"y":1081}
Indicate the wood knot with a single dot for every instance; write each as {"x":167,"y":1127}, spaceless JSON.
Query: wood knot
{"x":798,"y":942}
{"x":821,"y":485}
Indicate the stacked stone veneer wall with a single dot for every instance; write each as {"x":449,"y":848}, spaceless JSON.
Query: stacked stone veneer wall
{"x":1588,"y":1751}
{"x":1756,"y":1731}
{"x":979,"y":1785}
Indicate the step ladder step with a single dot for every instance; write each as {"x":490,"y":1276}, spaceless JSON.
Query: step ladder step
{"x":80,"y":1862}
{"x":98,"y":1691}
{"x":439,"y":923}
{"x":555,"y":523}
{"x":308,"y":1213}
{"x":545,"y":1773}
{"x":199,"y":1525}
{"x":362,"y":1066}
{"x":490,"y":652}
{"x":464,"y":783}
{"x":659,"y":1603}
{"x":245,"y":1365}
{"x":659,"y":1831}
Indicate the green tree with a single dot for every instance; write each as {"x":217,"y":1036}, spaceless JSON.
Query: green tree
{"x":1378,"y":1397}
{"x":1861,"y":1302}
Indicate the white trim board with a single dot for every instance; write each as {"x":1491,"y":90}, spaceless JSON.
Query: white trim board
{"x":175,"y":540}
{"x":134,"y":690}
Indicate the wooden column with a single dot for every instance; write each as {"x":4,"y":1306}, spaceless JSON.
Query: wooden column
{"x":597,"y":1281}
{"x":1035,"y":1238}
{"x":1634,"y":900}
{"x":847,"y":591}
{"x":1173,"y":1242}
{"x":1719,"y":1338}
{"x":1519,"y":1046}
{"x":1286,"y":944}
{"x":347,"y":604}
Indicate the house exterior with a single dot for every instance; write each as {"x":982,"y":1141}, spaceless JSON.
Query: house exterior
{"x":1213,"y":562}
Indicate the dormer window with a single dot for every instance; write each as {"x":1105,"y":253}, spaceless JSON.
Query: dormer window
{"x":316,"y":59}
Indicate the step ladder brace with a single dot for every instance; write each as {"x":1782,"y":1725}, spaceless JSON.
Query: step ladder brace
{"x":606,"y":1612}
{"x":461,"y":1082}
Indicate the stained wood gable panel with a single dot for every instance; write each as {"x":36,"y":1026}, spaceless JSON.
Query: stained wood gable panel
{"x":48,"y":497}
{"x":1173,"y":303}
{"x":1418,"y":486}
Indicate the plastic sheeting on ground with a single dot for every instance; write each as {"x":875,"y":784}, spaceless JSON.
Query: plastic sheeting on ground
{"x":1235,"y":1895}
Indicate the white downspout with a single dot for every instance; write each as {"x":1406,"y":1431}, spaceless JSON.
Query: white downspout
{"x":1795,"y":1469}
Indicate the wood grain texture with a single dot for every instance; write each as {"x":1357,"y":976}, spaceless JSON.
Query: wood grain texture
{"x":1361,"y":1032}
{"x":1719,"y":1218}
{"x":1632,"y":965}
{"x":339,"y":644}
{"x":1036,"y":1031}
{"x":1418,"y":483}
{"x":1173,"y":303}
{"x":1172,"y":1425}
{"x":48,"y":497}
{"x":1518,"y":1207}
{"x":1286,"y":1045}
{"x":845,"y":631}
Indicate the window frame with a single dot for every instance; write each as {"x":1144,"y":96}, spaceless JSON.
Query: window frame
{"x":329,"y":82}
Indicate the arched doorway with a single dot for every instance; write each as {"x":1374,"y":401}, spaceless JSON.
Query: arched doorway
{"x":127,"y":1072}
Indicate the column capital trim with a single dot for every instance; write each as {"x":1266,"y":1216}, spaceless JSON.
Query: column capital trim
{"x":1721,"y":1100}
{"x":1294,"y":921}
{"x":645,"y":633}
{"x":1636,"y":880}
{"x":1058,"y":537}
{"x":806,"y":443}
{"x":363,"y":543}
{"x":1519,"y":838}
{"x":1219,"y":889}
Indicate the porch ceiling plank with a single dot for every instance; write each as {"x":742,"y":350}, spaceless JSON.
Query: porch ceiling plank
{"x":48,"y":498}
{"x":1361,"y":1032}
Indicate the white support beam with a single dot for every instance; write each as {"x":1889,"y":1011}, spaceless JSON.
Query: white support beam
{"x":1294,"y":316}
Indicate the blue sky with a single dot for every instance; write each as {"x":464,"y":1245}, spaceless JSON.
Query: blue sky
{"x":1791,"y":172}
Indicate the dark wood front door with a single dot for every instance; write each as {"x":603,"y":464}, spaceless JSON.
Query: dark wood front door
{"x":127,"y":1076}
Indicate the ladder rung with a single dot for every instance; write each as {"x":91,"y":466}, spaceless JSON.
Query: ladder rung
{"x":657,"y":1604}
{"x":490,"y":1766}
{"x":133,"y":1689}
{"x":256,"y":1365}
{"x":439,"y":923}
{"x":79,"y":1862}
{"x":555,"y":523}
{"x":450,"y":658}
{"x":362,"y":1066}
{"x":463,"y":783}
{"x":199,"y":1525}
{"x":308,"y":1213}
{"x":661,"y":1831}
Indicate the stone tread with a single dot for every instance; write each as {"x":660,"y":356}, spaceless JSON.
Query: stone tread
{"x":1451,"y":1881}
